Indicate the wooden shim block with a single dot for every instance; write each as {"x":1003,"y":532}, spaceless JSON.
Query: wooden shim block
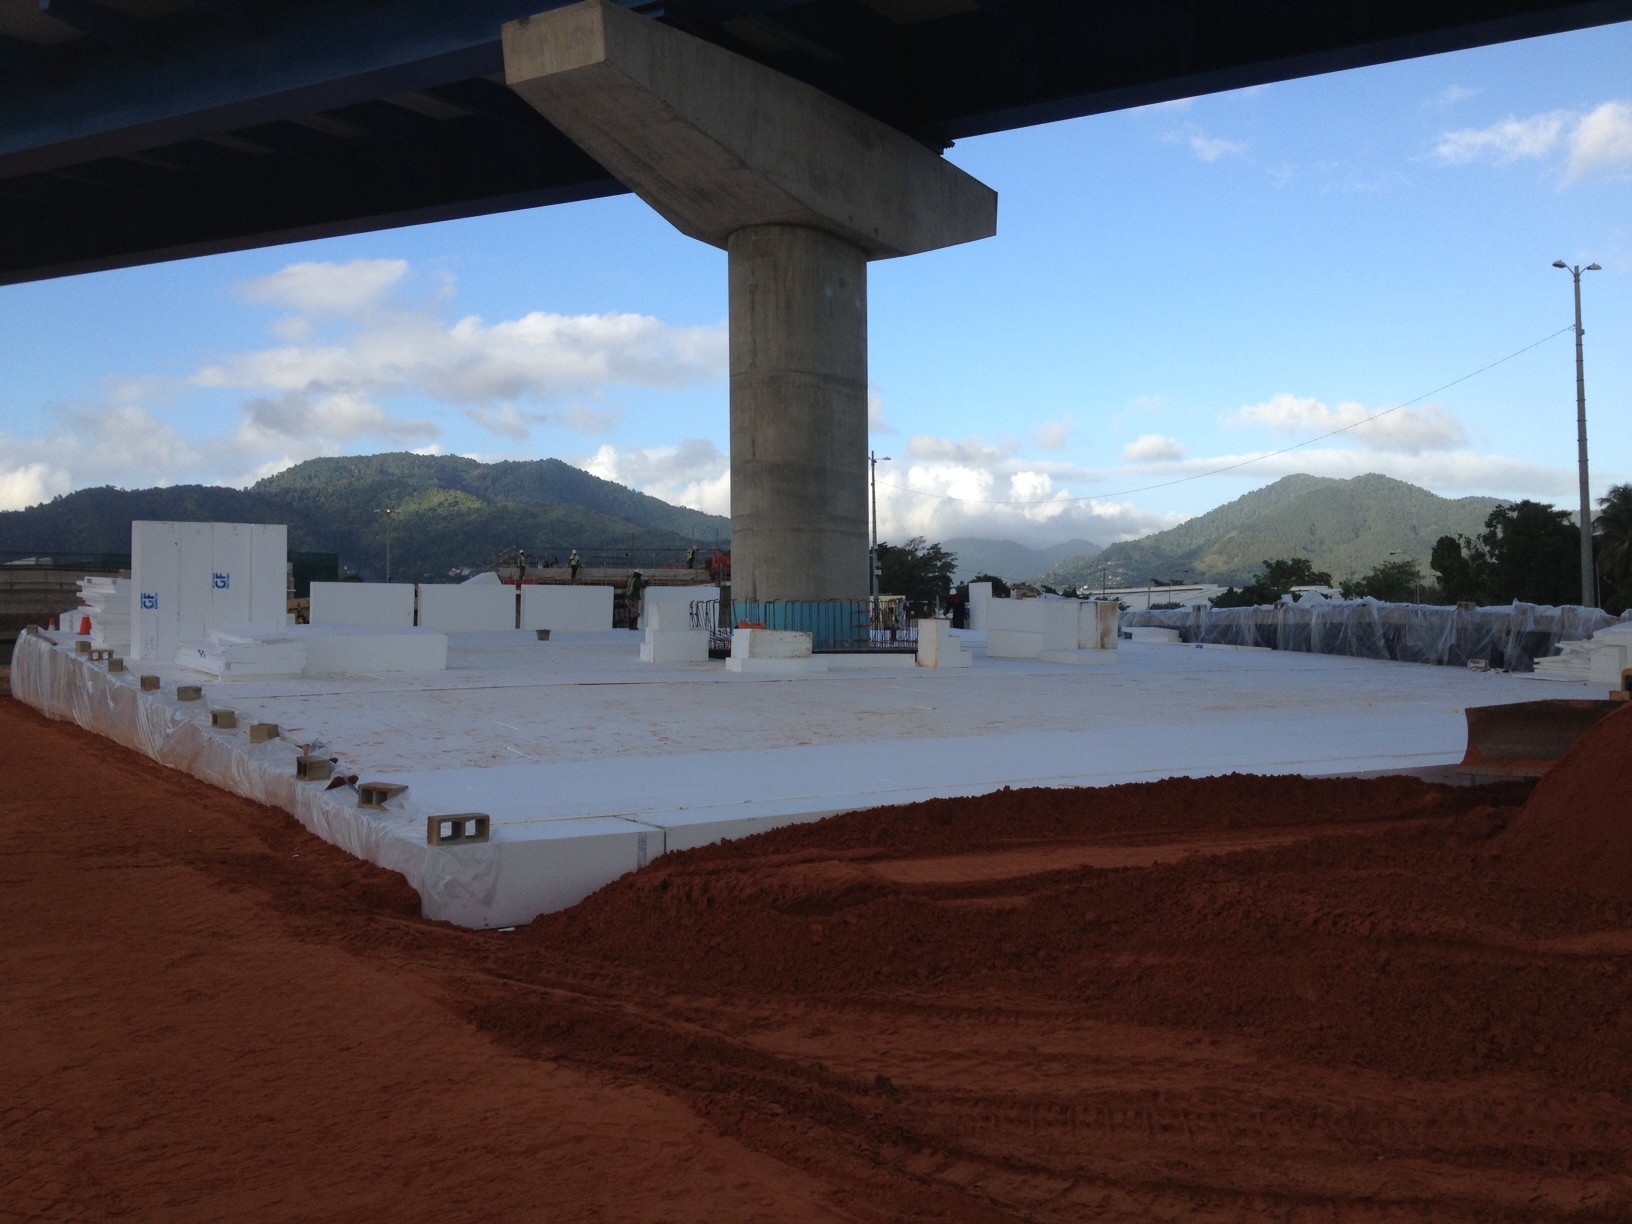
{"x":375,"y":795}
{"x":460,"y":829}
{"x":150,"y":684}
{"x":224,"y":720}
{"x":262,"y":733}
{"x":313,"y":768}
{"x":189,"y":692}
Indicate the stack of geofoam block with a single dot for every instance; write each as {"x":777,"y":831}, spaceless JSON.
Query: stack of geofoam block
{"x":671,"y":636}
{"x":1052,"y":630}
{"x":106,"y":601}
{"x":773,"y":651}
{"x":243,"y":652}
{"x":468,"y":607}
{"x":187,"y":578}
{"x":938,"y":648}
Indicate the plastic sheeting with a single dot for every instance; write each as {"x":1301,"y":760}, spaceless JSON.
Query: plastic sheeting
{"x":62,"y":685}
{"x":1511,"y":638}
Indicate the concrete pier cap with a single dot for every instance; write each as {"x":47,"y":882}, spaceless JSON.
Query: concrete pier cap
{"x":801,"y":190}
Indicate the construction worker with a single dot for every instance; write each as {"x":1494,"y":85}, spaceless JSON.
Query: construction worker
{"x":691,"y":557}
{"x":631,"y":598}
{"x":573,"y":563}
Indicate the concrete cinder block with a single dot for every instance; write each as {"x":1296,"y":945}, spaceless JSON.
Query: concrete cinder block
{"x":149,"y":684}
{"x":115,"y":664}
{"x":83,"y":648}
{"x":263,"y":733}
{"x":459,"y":829}
{"x":224,"y":720}
{"x":376,"y":605}
{"x":313,"y":768}
{"x":375,"y":795}
{"x":189,"y":692}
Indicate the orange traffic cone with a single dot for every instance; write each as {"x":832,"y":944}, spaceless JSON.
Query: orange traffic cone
{"x":84,"y":626}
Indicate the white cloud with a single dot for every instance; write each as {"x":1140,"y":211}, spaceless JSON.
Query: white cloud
{"x":1601,"y":141}
{"x":1148,"y":448}
{"x":696,"y":473}
{"x":328,"y":290}
{"x":1505,"y":141}
{"x":1206,"y":148}
{"x":878,"y":421}
{"x":1452,"y":94}
{"x":1052,"y":435}
{"x":1407,"y":430}
{"x":30,"y":484}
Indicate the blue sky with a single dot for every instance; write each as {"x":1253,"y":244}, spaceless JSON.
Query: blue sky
{"x":1172,"y":291}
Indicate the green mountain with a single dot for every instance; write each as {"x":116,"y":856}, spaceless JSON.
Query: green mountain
{"x":448,"y":512}
{"x":1346,"y":527}
{"x":1009,"y":560}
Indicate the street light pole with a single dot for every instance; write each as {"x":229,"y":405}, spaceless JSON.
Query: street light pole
{"x":1589,"y":585}
{"x":389,"y":515}
{"x":873,"y":459}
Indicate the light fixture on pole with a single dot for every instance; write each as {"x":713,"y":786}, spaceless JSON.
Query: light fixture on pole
{"x":389,"y":515}
{"x":873,"y":460}
{"x":1589,"y":584}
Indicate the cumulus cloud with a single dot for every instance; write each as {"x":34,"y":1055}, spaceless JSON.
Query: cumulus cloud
{"x":29,"y":484}
{"x":328,"y":290}
{"x":1598,"y":141}
{"x":1601,"y":141}
{"x":1406,"y":430}
{"x":1152,"y":448}
{"x":1052,"y":435}
{"x":878,"y":421}
{"x":696,"y":473}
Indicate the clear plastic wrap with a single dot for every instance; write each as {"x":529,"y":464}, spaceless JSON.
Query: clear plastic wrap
{"x":1511,"y":638}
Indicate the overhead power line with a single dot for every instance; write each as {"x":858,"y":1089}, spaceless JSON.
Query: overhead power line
{"x":1230,"y":467}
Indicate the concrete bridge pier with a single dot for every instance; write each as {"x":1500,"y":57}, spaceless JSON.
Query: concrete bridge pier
{"x":801,"y":190}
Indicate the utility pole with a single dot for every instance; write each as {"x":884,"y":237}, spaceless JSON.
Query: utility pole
{"x":1589,"y":583}
{"x":873,"y":459}
{"x":389,"y":515}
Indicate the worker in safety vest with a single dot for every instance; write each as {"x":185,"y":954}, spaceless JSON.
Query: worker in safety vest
{"x":631,"y":598}
{"x":574,"y":563}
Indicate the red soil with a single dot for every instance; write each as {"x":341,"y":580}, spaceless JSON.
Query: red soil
{"x":1236,"y":999}
{"x":1576,"y":830}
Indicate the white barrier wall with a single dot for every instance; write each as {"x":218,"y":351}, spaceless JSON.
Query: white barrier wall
{"x":376,"y":605}
{"x":980,"y":599}
{"x":467,"y":607}
{"x":187,"y":577}
{"x":1055,"y":630}
{"x":567,"y":609}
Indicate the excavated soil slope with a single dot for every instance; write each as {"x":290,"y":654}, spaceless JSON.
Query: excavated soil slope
{"x":1233,"y":999}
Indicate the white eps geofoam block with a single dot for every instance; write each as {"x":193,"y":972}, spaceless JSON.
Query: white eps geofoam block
{"x":377,"y":605}
{"x":467,"y":607}
{"x":566,"y":609}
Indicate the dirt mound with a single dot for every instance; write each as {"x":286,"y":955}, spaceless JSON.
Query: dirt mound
{"x":1576,"y":829}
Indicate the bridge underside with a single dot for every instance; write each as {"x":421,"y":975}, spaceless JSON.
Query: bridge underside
{"x":155,"y":129}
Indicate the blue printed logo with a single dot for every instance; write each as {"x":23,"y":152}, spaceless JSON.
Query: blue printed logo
{"x":223,"y":581}
{"x":150,"y":601}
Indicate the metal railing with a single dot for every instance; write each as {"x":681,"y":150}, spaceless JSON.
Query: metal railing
{"x":834,"y":624}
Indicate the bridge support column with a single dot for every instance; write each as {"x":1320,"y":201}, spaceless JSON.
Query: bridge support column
{"x":801,"y":190}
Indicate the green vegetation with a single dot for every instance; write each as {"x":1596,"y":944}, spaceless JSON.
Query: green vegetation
{"x":920,"y":571}
{"x":1528,"y":551}
{"x":449,"y":512}
{"x":1277,"y":578}
{"x":1345,"y":527}
{"x":1391,"y":582}
{"x":1612,"y":547}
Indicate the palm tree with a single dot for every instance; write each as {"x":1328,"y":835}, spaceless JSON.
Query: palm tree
{"x":1612,"y":537}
